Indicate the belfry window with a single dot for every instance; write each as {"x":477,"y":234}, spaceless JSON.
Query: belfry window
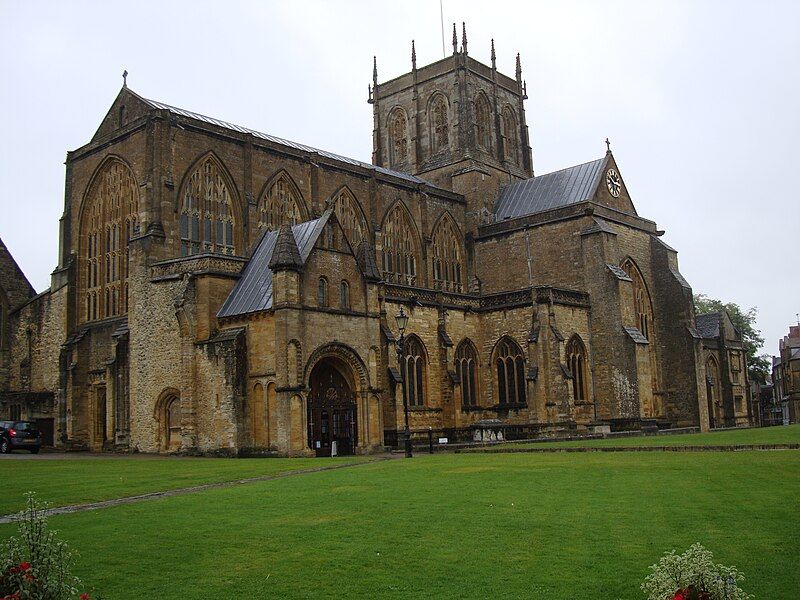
{"x":109,"y":222}
{"x":510,"y":364}
{"x":576,"y":361}
{"x":466,"y":368}
{"x":439,"y":124}
{"x":447,"y":269}
{"x":206,"y":221}
{"x":414,"y":370}
{"x":398,"y":139}
{"x":399,"y":248}
{"x":281,"y":204}
{"x":483,"y":119}
{"x":510,"y":135}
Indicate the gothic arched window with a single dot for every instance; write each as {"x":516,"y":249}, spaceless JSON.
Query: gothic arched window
{"x":466,"y":372}
{"x":439,"y":124}
{"x":447,"y":268}
{"x":716,"y":416}
{"x":483,"y":122}
{"x":110,"y":220}
{"x":414,"y":370}
{"x":510,"y":364}
{"x":398,"y":137}
{"x":280,"y":204}
{"x":643,"y":311}
{"x":641,"y":299}
{"x":207,"y":220}
{"x":350,"y":217}
{"x":399,"y":248}
{"x":576,"y":361}
{"x":510,"y":135}
{"x":322,"y":292}
{"x":344,"y":295}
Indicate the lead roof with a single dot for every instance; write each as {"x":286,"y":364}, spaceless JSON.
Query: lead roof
{"x":537,"y":194}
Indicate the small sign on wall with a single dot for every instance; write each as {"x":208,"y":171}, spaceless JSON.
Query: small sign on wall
{"x":442,"y":440}
{"x":318,"y":444}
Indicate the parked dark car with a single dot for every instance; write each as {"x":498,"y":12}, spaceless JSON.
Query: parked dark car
{"x":19,"y":434}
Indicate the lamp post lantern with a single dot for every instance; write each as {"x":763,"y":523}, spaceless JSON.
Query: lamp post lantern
{"x":402,"y":322}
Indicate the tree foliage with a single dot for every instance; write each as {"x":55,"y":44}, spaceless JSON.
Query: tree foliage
{"x":758,"y":365}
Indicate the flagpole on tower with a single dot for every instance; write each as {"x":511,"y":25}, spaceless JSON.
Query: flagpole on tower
{"x":441,"y":18}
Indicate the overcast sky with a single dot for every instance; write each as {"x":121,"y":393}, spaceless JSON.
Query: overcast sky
{"x":699,"y":99}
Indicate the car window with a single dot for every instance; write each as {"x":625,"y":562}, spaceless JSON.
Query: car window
{"x":5,"y":424}
{"x":24,"y":426}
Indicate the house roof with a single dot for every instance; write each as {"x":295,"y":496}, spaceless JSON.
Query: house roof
{"x":708,"y":325}
{"x":271,"y":138}
{"x":253,"y":292}
{"x":537,"y":194}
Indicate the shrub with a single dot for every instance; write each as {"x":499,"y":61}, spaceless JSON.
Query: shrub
{"x":36,"y":564}
{"x":693,"y":575}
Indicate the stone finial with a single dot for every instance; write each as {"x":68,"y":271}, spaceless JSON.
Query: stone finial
{"x":455,"y":40}
{"x":125,"y":78}
{"x":608,"y":145}
{"x":494,"y":57}
{"x":375,"y":69}
{"x":413,"y":56}
{"x":285,"y":256}
{"x":463,"y":37}
{"x":519,"y":69}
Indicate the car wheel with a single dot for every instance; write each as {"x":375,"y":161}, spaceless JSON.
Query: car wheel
{"x":4,"y":449}
{"x":34,"y":450}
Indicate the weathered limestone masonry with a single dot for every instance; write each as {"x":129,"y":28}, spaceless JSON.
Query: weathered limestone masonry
{"x":220,"y":290}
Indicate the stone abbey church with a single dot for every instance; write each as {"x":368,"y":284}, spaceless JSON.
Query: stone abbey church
{"x":221,"y":290}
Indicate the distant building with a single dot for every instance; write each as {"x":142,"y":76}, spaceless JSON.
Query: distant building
{"x":786,"y":375}
{"x":727,"y":385}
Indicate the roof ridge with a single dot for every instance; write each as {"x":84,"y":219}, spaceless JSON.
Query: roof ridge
{"x":283,"y":141}
{"x":588,"y":162}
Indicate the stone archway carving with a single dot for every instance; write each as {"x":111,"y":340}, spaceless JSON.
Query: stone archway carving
{"x":344,"y":353}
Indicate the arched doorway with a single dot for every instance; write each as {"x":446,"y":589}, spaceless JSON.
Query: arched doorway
{"x":332,"y":414}
{"x":168,"y":415}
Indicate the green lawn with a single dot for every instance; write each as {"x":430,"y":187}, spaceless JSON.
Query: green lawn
{"x":78,"y":480}
{"x":550,"y":526}
{"x":788,"y":434}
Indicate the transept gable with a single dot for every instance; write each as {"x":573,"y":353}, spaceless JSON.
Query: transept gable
{"x":611,"y":190}
{"x":598,"y":181}
{"x":126,"y":108}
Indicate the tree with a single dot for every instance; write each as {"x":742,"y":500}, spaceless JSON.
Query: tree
{"x":758,"y":365}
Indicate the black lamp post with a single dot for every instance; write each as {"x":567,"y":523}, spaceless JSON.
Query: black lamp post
{"x":402,"y":323}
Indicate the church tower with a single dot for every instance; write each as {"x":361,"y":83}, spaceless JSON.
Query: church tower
{"x":457,"y":123}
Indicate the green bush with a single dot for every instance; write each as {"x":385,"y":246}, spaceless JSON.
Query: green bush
{"x":36,"y":564}
{"x":693,"y":575}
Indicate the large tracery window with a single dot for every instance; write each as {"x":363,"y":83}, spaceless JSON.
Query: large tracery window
{"x":414,"y":370}
{"x":466,"y":372}
{"x":349,"y":216}
{"x":510,"y":364}
{"x":483,"y":120}
{"x":281,"y":204}
{"x":576,"y":360}
{"x":439,"y":124}
{"x":399,"y":248}
{"x":207,"y":221}
{"x":110,"y":220}
{"x":398,"y":137}
{"x":641,"y":299}
{"x":447,"y":269}
{"x":510,"y":135}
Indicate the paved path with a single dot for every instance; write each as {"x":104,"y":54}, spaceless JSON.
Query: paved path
{"x":73,"y":508}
